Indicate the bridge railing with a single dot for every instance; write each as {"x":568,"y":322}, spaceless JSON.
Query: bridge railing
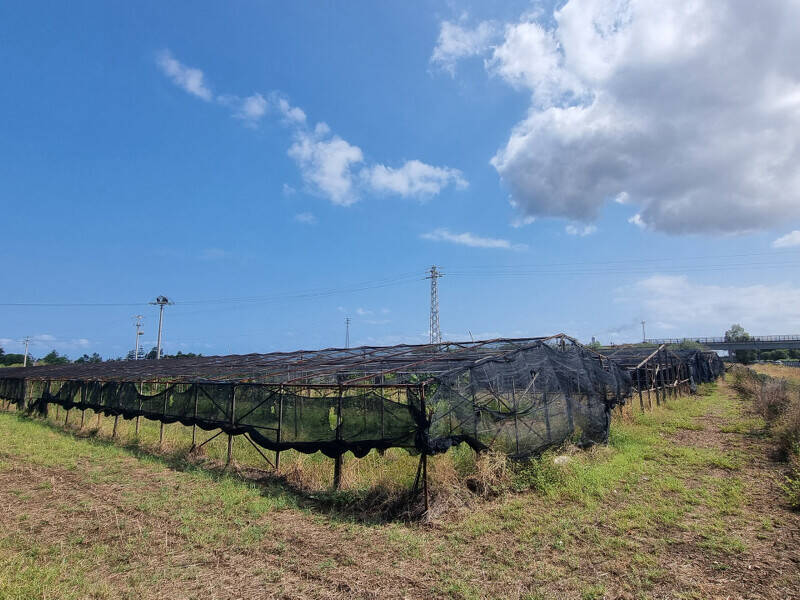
{"x":722,"y":340}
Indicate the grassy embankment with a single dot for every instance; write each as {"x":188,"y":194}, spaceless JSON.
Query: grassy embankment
{"x":683,"y":502}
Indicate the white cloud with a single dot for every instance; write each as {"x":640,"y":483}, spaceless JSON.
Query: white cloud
{"x":326,"y":163}
{"x":637,"y":220}
{"x":43,"y":343}
{"x":363,"y":312}
{"x":414,"y":178}
{"x":291,"y":113}
{"x":788,"y":241}
{"x":581,"y":231}
{"x":288,"y":190}
{"x":252,"y":109}
{"x":456,"y":42}
{"x":306,"y":218}
{"x":698,"y":309}
{"x":468,"y":239}
{"x":190,"y":79}
{"x":522,"y":221}
{"x":692,"y":109}
{"x":330,"y":166}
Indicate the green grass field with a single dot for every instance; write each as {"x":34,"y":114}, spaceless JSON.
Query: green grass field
{"x":684,"y":502}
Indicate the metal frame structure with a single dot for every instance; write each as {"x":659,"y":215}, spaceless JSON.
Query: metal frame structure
{"x":543,"y":388}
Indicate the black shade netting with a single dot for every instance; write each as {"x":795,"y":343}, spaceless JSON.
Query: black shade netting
{"x":527,"y":401}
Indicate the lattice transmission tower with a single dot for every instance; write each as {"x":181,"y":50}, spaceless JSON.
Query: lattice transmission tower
{"x":435,"y":332}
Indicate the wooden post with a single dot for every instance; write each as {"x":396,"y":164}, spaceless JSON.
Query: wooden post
{"x":639,"y":388}
{"x":337,"y":472}
{"x":114,"y":430}
{"x":233,"y":422}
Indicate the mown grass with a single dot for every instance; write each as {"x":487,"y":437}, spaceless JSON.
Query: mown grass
{"x":532,"y":530}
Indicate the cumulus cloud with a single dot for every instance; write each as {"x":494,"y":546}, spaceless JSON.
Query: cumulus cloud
{"x":469,"y":239}
{"x":581,"y":231}
{"x":326,"y":162}
{"x":330,"y":166}
{"x":456,"y":42}
{"x":414,"y":178}
{"x":788,"y":241}
{"x":688,"y":110}
{"x":291,"y":113}
{"x":698,"y":309}
{"x":252,"y":109}
{"x":190,"y":79}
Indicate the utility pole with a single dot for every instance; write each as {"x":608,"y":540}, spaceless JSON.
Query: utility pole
{"x":347,"y":332}
{"x":25,"y":357}
{"x":138,"y":333}
{"x":161,"y":302}
{"x":435,"y":332}
{"x":644,"y":336}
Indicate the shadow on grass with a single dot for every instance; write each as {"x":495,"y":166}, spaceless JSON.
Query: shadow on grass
{"x":367,"y":506}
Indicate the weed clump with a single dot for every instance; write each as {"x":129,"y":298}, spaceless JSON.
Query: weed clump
{"x":777,"y":401}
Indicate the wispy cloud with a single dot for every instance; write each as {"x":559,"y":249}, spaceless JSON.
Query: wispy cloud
{"x":330,"y":166}
{"x":579,"y":230}
{"x":696,"y":308}
{"x":469,"y":239}
{"x":215,"y":254}
{"x":456,"y":42}
{"x":306,"y":218}
{"x":188,"y":78}
{"x":788,"y":241}
{"x":414,"y":178}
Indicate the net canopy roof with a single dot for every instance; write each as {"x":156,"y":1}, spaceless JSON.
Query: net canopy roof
{"x":517,"y":396}
{"x":398,"y":365}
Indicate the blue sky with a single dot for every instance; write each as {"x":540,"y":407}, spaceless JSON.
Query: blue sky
{"x":562,"y":181}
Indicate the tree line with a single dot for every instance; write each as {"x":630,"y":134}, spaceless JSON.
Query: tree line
{"x":55,"y":358}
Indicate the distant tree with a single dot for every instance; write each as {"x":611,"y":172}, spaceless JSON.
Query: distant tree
{"x":54,"y":358}
{"x":152,"y":355}
{"x":94,"y":358}
{"x":689,"y":345}
{"x":737,"y":334}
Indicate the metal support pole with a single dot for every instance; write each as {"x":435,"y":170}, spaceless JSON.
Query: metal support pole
{"x":424,"y":452}
{"x":639,"y":388}
{"x":337,"y":465}
{"x":138,"y":417}
{"x":280,"y":428}
{"x":83,"y":403}
{"x":233,"y":422}
{"x":194,"y":425}
{"x":161,"y":424}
